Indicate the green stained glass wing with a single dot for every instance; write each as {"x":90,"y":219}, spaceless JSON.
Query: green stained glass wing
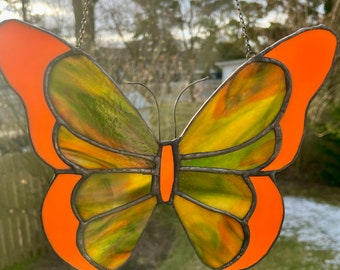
{"x":241,"y":110}
{"x":89,"y":105}
{"x":102,"y":192}
{"x":113,"y":210}
{"x":108,"y":240}
{"x":223,"y":192}
{"x":252,"y":156}
{"x":217,"y":237}
{"x":91,"y":156}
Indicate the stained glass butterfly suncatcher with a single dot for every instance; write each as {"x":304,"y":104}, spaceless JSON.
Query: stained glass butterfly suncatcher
{"x":111,"y":171}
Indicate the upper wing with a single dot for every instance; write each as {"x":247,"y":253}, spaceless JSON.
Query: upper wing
{"x":237,"y":113}
{"x":250,"y":127}
{"x":241,"y":117}
{"x":87,"y":103}
{"x":82,"y":125}
{"x":58,"y":84}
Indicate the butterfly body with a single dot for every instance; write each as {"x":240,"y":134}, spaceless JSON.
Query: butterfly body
{"x":112,"y":172}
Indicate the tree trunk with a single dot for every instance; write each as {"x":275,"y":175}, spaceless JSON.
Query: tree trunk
{"x":86,"y":38}
{"x":24,"y":10}
{"x":332,"y":19}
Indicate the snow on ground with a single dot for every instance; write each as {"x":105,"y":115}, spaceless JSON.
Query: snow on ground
{"x":315,"y":224}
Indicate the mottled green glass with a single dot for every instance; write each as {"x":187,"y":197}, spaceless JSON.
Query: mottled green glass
{"x":216,"y":237}
{"x":245,"y":158}
{"x":91,"y":156}
{"x":85,"y":98}
{"x":226,"y":192}
{"x":109,"y":240}
{"x":103,"y":192}
{"x":241,"y":109}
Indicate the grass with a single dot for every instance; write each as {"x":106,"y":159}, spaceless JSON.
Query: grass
{"x":288,"y":254}
{"x":295,"y":183}
{"x":24,"y":265}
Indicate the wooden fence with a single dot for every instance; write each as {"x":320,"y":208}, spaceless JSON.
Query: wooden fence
{"x":23,"y":183}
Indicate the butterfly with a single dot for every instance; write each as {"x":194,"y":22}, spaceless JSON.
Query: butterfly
{"x":111,"y":171}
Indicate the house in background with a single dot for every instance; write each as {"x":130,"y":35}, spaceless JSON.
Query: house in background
{"x":228,"y":67}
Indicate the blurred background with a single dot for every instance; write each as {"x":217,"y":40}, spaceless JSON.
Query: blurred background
{"x":166,"y":44}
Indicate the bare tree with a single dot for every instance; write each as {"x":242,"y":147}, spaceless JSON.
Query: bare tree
{"x":326,"y":106}
{"x":85,"y":23}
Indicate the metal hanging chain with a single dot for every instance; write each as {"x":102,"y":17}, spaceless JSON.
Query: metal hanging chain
{"x":84,"y":20}
{"x":249,"y":51}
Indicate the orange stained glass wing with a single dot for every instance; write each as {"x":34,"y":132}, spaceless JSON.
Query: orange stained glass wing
{"x":264,"y":223}
{"x":25,"y":54}
{"x":308,"y":56}
{"x":60,"y":223}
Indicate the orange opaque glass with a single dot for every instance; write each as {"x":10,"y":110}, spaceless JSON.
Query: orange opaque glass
{"x":264,"y":223}
{"x":60,"y":223}
{"x":166,"y":172}
{"x":308,"y":61}
{"x":25,"y":55}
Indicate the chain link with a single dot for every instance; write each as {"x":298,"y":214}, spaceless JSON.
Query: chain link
{"x":84,"y":20}
{"x":248,"y":49}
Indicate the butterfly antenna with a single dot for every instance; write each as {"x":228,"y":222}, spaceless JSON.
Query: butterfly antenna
{"x":156,"y":103}
{"x":178,"y":98}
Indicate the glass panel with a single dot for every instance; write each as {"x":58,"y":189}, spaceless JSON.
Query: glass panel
{"x":242,"y":108}
{"x":226,"y":192}
{"x":109,"y":240}
{"x":91,"y":104}
{"x":103,"y":192}
{"x":246,"y":158}
{"x":216,"y":237}
{"x":90,"y":156}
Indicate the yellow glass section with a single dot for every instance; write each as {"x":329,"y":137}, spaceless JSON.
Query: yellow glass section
{"x":226,"y":192}
{"x":101,"y":192}
{"x":110,"y":240}
{"x":216,"y":237}
{"x":240,"y":109}
{"x":90,"y":156}
{"x":90,"y":104}
{"x":245,"y":158}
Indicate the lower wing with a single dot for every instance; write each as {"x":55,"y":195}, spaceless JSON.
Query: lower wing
{"x":106,"y":222}
{"x":231,"y":221}
{"x":264,"y":224}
